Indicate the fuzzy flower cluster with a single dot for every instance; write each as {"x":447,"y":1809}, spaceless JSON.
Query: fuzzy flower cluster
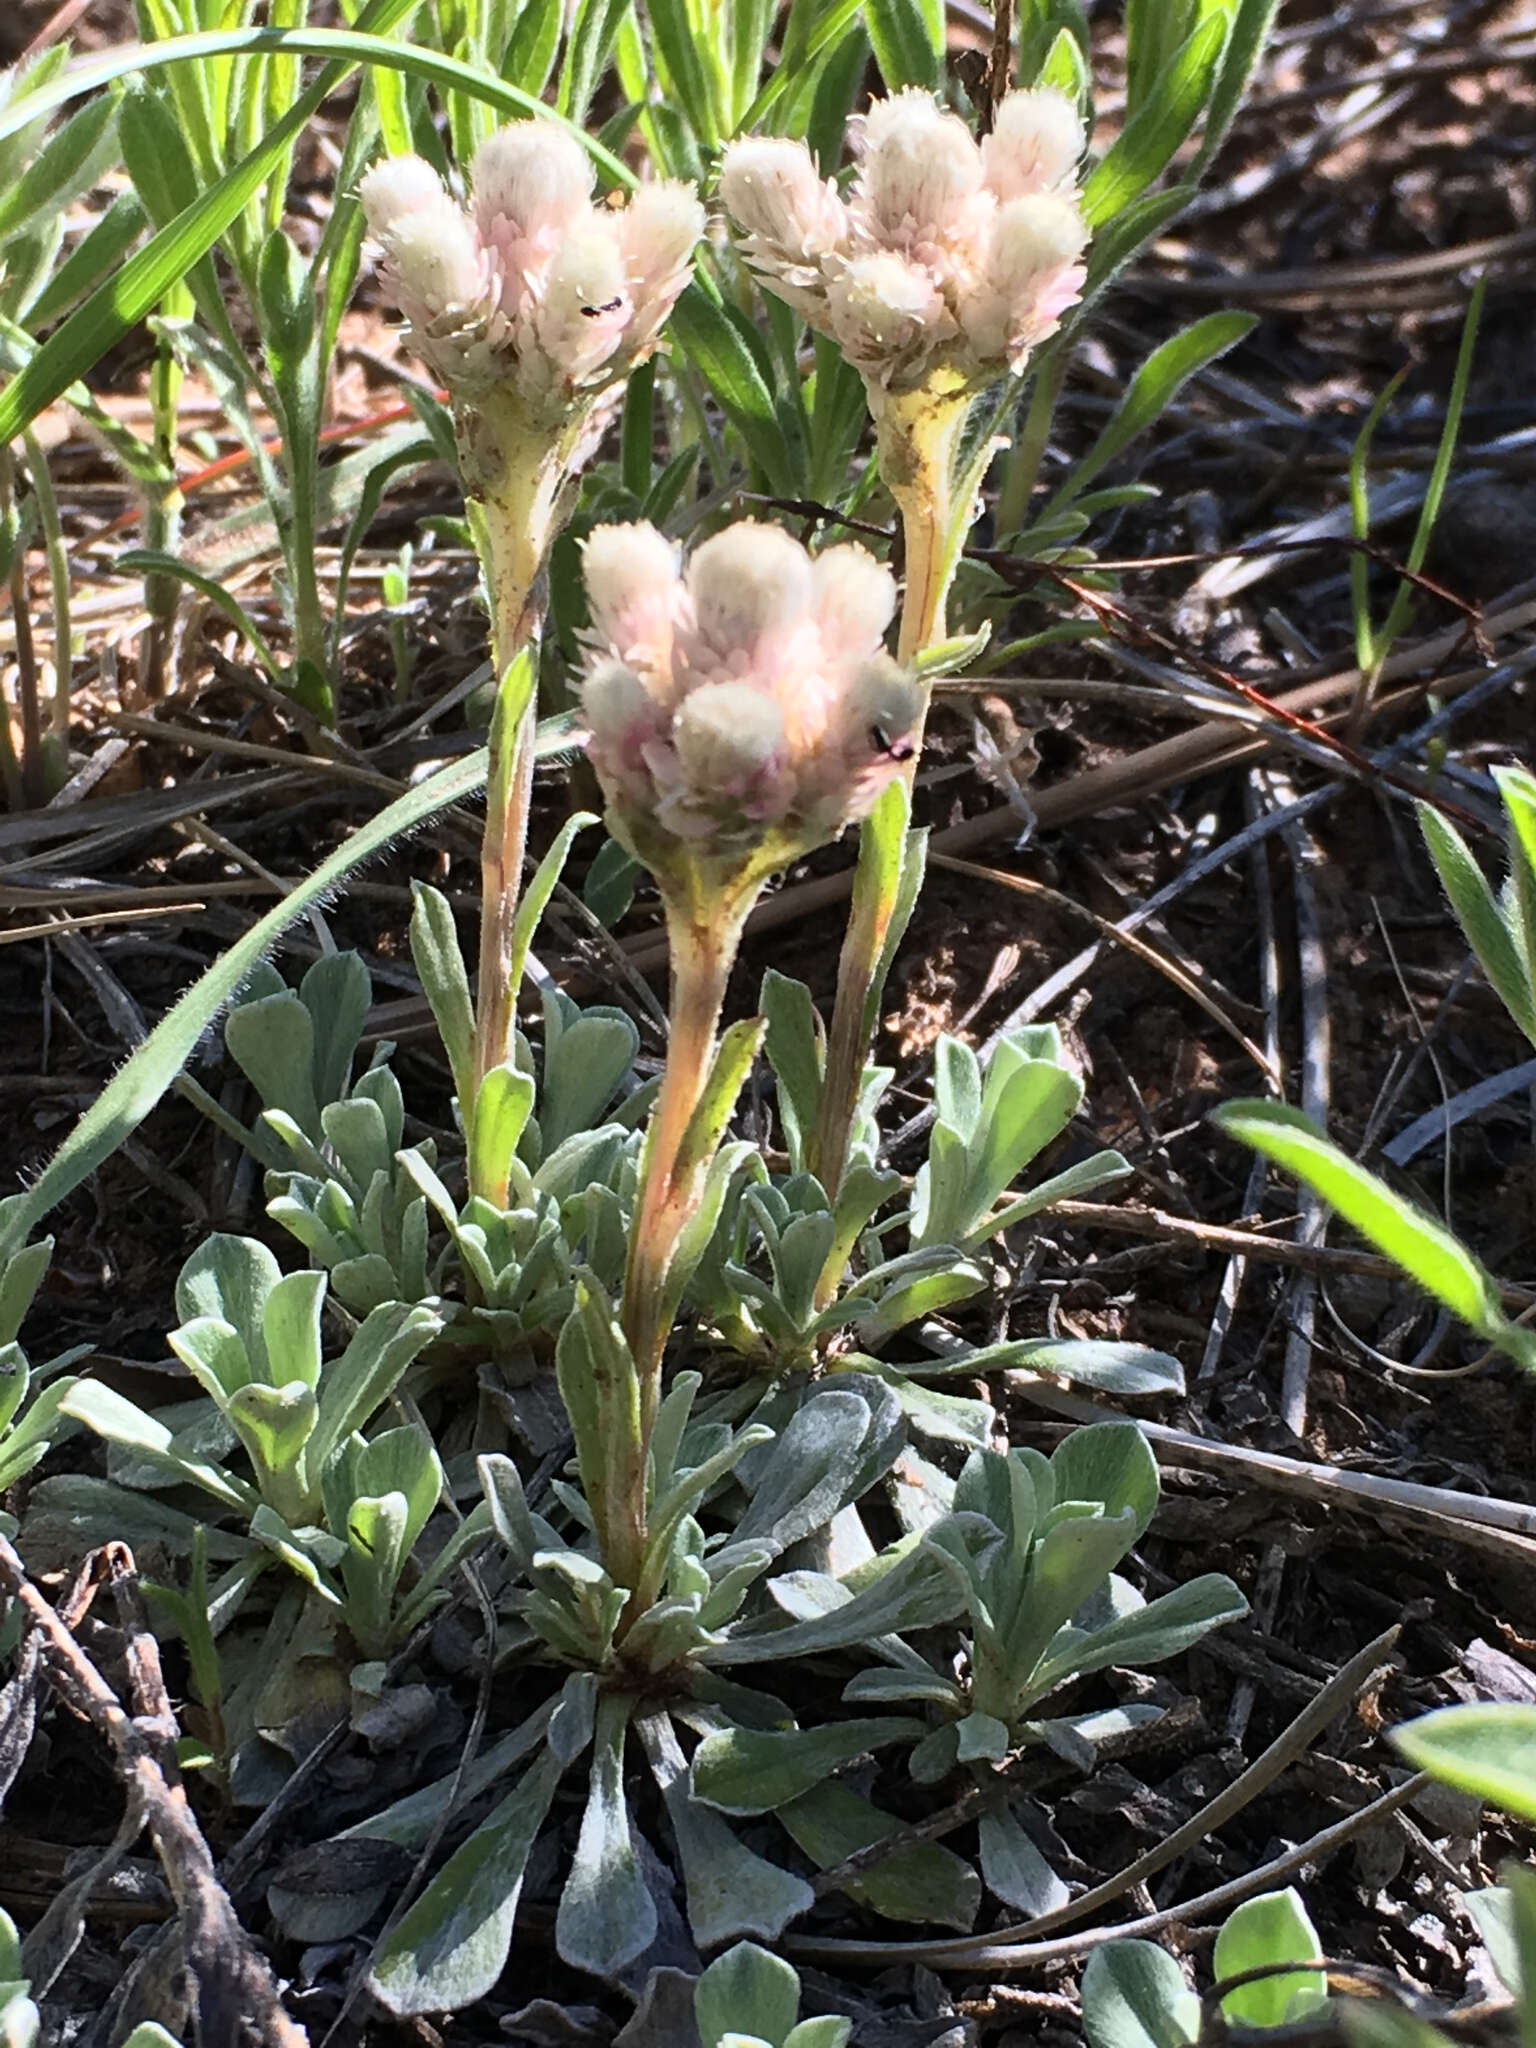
{"x":745,"y":698}
{"x":533,"y":284}
{"x":944,"y":252}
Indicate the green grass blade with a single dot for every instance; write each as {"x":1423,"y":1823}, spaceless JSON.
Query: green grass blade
{"x":1432,"y":1255}
{"x":1151,"y":391}
{"x":1152,"y":135}
{"x":366,"y":44}
{"x":1360,"y":523}
{"x":151,"y":1070}
{"x":908,"y":41}
{"x":1481,"y":918}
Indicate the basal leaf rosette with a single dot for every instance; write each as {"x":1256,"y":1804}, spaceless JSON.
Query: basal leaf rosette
{"x":950,"y":260}
{"x":531,"y":286}
{"x":742,"y":708}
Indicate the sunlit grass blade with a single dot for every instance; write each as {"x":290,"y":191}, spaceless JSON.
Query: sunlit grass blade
{"x":151,"y":1070}
{"x":1429,"y":1253}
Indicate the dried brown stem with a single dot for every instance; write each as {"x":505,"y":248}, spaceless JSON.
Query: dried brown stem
{"x":236,"y":1999}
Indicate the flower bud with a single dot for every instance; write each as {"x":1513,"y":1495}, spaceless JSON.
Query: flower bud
{"x":631,"y":575}
{"x":928,"y":271}
{"x":887,"y":314}
{"x":397,"y":186}
{"x":537,"y":290}
{"x":585,"y":306}
{"x":749,"y":585}
{"x":854,"y":598}
{"x":773,"y":190}
{"x":1032,"y":275}
{"x":728,"y":736}
{"x":1036,"y":144}
{"x":658,"y":232}
{"x":920,"y":174}
{"x":530,"y":180}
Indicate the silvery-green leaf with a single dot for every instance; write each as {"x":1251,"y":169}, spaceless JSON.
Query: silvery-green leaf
{"x":272,"y":1042}
{"x":945,"y":1418}
{"x":747,"y":1770}
{"x":1117,"y":1368}
{"x":356,"y":1133}
{"x":1014,"y":1869}
{"x":502,"y":1485}
{"x":574,"y":1718}
{"x":935,"y":1756}
{"x":809,"y":1471}
{"x":445,"y":983}
{"x":981,"y":1738}
{"x":585,"y":1061}
{"x":1134,"y":1996}
{"x":1111,"y":1465}
{"x":924,"y":1882}
{"x":1493,"y":1912}
{"x":214,"y":1352}
{"x":68,"y":1514}
{"x":731,"y":1890}
{"x":916,"y":1592}
{"x":606,"y":1915}
{"x":274,"y":1423}
{"x":1102,"y":1170}
{"x":746,"y":1991}
{"x":794,"y":1052}
{"x":826,"y":2030}
{"x":336,"y":992}
{"x":1162,"y":1628}
{"x":230,"y":1277}
{"x":290,"y":1328}
{"x":368,"y":1371}
{"x":452,"y":1945}
{"x":882,"y":1688}
{"x":116,"y":1418}
{"x":1273,"y":1928}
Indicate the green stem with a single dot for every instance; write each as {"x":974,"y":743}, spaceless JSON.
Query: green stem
{"x":58,"y":576}
{"x":704,"y":932}
{"x":516,"y":478}
{"x":1022,"y":471}
{"x":917,"y":439}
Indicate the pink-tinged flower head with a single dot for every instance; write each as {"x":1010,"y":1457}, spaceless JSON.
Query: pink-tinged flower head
{"x":634,"y":592}
{"x":919,"y":189}
{"x":888,"y":315}
{"x":433,"y":260}
{"x":1033,"y":274}
{"x":744,"y":701}
{"x":1036,"y":144}
{"x":534,"y":286}
{"x":918,"y":272}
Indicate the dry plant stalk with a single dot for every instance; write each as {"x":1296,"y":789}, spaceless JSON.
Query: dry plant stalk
{"x":233,"y":1993}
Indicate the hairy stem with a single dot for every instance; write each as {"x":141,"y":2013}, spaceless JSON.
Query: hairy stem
{"x":704,"y":934}
{"x":918,"y":437}
{"x":517,"y":480}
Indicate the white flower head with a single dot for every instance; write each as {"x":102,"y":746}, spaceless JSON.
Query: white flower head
{"x":1033,"y":274}
{"x":633,"y":593}
{"x":768,"y":718}
{"x":919,"y":189}
{"x":535,"y":286}
{"x":1036,"y":144}
{"x":887,"y":314}
{"x":921,"y":270}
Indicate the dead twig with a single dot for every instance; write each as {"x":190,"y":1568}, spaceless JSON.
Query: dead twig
{"x":235,"y":1998}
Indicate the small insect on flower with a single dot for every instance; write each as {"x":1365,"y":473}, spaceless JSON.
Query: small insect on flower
{"x":946,"y":255}
{"x":745,"y":699}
